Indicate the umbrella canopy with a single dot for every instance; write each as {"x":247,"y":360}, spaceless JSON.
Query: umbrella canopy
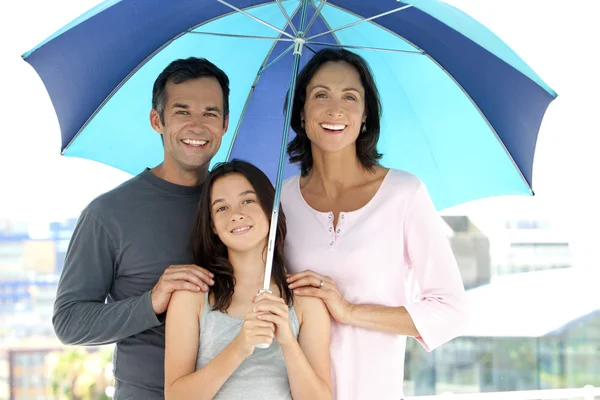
{"x":460,"y":109}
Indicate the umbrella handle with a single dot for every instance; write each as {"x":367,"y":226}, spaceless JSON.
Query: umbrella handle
{"x":263,"y":345}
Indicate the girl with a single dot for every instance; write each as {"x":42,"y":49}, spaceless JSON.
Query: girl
{"x":211,"y":338}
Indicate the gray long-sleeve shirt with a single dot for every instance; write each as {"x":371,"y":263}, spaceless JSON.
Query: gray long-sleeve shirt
{"x":123,"y":242}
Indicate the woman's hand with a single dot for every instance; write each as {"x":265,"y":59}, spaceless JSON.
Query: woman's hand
{"x":273,"y":309}
{"x":310,"y":283}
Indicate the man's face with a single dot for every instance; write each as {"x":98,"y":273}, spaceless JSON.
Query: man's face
{"x":194,"y":123}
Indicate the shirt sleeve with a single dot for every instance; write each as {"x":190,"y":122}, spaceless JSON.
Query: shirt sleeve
{"x":81,"y":315}
{"x":441,"y":312}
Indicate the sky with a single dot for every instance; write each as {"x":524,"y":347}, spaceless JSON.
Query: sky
{"x":556,"y":38}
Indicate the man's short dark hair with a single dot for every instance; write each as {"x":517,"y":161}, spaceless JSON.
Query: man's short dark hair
{"x":182,"y":70}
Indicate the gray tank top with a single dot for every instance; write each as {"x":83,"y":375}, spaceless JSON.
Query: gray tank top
{"x":261,"y":376}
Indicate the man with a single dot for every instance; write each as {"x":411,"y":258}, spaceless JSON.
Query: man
{"x":130,"y":249}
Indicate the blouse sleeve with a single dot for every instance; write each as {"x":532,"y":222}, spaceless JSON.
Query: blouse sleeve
{"x":441,"y":312}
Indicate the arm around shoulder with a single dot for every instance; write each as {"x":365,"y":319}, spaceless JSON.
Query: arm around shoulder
{"x":80,"y":314}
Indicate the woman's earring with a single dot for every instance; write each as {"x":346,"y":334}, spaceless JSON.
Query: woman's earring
{"x":363,"y":129}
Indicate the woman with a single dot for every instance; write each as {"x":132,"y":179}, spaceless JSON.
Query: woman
{"x":363,"y":238}
{"x":211,"y":339}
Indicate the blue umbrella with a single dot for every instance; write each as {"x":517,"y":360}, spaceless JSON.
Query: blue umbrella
{"x":460,"y":109}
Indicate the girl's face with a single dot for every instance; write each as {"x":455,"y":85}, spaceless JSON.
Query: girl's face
{"x":238,"y":218}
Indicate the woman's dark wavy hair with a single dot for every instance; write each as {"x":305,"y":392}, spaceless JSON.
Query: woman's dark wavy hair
{"x":299,"y":149}
{"x":211,"y":253}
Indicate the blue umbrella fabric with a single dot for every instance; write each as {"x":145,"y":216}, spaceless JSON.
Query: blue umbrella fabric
{"x":460,"y":109}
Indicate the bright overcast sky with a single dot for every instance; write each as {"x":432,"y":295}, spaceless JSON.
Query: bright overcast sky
{"x":556,"y":38}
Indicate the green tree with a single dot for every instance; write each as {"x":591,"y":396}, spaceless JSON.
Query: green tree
{"x":80,"y":374}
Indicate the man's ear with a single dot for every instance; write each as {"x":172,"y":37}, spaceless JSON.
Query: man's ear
{"x":225,"y":124}
{"x":155,"y":121}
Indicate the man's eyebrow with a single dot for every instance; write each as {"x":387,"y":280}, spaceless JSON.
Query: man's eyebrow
{"x":213,"y":108}
{"x":180,"y":105}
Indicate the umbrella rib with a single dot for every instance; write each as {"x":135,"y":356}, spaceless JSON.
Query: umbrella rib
{"x":264,"y":68}
{"x":369,"y":48}
{"x":287,"y":17}
{"x":239,"y":124}
{"x":231,"y":35}
{"x":310,"y":48}
{"x":360,"y":21}
{"x":315,"y":15}
{"x":326,"y":24}
{"x":256,"y":19}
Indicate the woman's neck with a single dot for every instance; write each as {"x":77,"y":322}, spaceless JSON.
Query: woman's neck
{"x":332,"y":173}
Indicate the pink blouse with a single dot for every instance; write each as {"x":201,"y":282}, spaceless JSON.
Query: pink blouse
{"x":392,"y":252}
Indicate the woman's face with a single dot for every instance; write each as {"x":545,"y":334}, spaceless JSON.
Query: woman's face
{"x":334,"y":109}
{"x":238,"y":218}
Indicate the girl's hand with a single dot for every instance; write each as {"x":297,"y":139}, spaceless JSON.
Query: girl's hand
{"x":254,"y":332}
{"x":273,"y":309}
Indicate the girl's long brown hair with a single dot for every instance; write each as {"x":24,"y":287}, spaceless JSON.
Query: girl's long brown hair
{"x":211,"y":253}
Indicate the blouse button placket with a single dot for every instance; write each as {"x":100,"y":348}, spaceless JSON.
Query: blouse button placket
{"x":340,"y":223}
{"x":330,"y":217}
{"x":337,"y":231}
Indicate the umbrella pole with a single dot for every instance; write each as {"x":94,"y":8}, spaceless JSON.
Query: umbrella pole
{"x":298,"y":46}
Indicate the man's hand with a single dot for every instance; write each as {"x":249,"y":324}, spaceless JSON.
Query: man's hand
{"x":179,"y":277}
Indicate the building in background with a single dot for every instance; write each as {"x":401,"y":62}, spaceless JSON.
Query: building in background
{"x":42,"y":368}
{"x":529,"y":331}
{"x":534,"y":245}
{"x":31,"y":259}
{"x":471,"y":249}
